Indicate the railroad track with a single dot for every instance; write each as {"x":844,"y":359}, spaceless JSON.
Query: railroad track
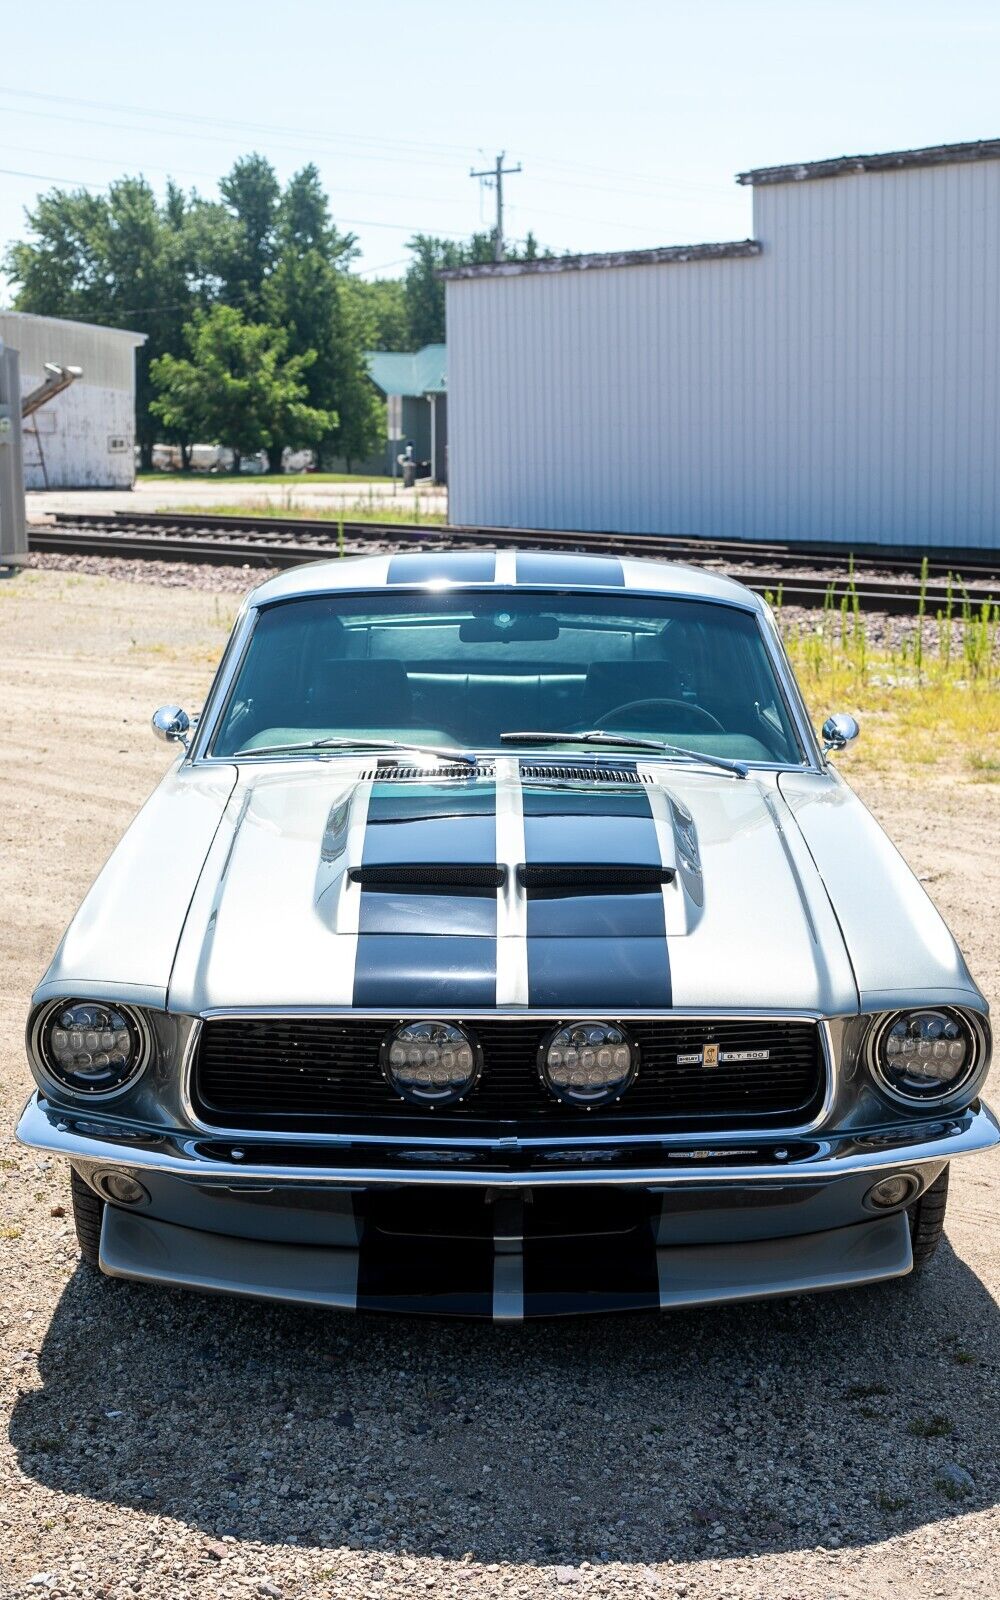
{"x":804,"y":574}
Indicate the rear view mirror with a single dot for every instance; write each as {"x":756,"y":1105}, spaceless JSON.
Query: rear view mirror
{"x":507,"y":627}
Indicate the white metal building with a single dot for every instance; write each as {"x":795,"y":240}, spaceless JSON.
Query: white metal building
{"x":837,"y":376}
{"x":85,"y":437}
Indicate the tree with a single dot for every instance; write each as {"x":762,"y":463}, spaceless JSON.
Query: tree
{"x":308,"y":295}
{"x":381,"y":306}
{"x":121,"y":260}
{"x":251,"y":193}
{"x":238,"y":386}
{"x":423,"y":290}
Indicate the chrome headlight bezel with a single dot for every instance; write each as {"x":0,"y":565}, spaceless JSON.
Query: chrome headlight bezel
{"x":977,"y":1035}
{"x":48,"y":1073}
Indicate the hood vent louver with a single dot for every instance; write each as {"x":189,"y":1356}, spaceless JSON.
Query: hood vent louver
{"x":396,"y":772}
{"x":564,"y":772}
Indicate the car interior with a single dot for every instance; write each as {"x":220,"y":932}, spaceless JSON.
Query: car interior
{"x":463,"y":668}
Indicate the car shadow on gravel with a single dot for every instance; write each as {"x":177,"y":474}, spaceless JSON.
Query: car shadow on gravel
{"x":835,"y":1420}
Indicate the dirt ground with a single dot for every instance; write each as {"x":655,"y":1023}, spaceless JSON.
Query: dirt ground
{"x":172,"y":1446}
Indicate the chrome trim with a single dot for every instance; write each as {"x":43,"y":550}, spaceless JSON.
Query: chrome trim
{"x":36,"y":1053}
{"x":442,"y":1141}
{"x":968,"y":1133}
{"x":981,"y":1056}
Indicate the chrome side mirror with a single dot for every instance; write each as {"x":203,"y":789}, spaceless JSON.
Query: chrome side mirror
{"x":172,"y":725}
{"x":839,"y":730}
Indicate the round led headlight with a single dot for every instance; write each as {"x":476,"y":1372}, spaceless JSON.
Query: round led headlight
{"x":588,"y":1063}
{"x":91,"y":1047}
{"x":924,"y":1055}
{"x":431,"y":1063}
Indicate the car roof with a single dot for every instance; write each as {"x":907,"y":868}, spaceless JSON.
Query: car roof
{"x":477,"y":569}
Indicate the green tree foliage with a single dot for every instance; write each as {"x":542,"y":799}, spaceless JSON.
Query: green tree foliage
{"x":423,"y":290}
{"x":382,"y":307}
{"x":308,"y":294}
{"x":274,"y":256}
{"x":238,"y":386}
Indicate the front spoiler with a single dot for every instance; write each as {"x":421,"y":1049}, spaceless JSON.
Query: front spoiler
{"x":502,"y":1286}
{"x":103,"y":1141}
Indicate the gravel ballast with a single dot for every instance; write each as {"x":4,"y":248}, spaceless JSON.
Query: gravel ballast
{"x":177,"y":1446}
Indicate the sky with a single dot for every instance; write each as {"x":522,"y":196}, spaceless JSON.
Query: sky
{"x":629,"y":118}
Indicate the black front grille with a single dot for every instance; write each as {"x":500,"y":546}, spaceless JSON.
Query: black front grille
{"x":299,"y":1074}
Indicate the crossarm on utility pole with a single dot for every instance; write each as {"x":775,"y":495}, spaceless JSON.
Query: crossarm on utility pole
{"x":495,"y":175}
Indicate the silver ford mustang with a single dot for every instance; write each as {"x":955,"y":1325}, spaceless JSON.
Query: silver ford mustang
{"x":502,"y":944}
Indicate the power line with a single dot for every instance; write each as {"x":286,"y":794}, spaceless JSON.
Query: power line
{"x":493,"y":177}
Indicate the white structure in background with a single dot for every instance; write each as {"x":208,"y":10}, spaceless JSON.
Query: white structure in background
{"x":84,"y":438}
{"x":836,"y":377}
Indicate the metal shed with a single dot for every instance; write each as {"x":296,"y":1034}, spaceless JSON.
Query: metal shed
{"x":85,"y":437}
{"x":835,"y":377}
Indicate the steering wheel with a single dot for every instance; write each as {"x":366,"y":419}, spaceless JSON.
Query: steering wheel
{"x":701,"y":718}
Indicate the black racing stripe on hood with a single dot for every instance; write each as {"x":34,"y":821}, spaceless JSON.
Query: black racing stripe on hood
{"x":569,"y":570}
{"x":585,"y":950}
{"x":428,"y":825}
{"x":425,"y":971}
{"x":592,"y":976}
{"x":454,"y":566}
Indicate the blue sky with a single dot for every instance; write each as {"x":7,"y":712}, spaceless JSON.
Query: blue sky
{"x":630,"y":117}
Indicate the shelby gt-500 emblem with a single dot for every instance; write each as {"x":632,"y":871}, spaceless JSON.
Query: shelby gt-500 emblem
{"x":499,"y":941}
{"x":710,"y":1055}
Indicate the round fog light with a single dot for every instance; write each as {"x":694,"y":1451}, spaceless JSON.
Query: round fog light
{"x":119,"y":1186}
{"x":587,"y":1063}
{"x":431,"y":1063}
{"x":894,"y":1191}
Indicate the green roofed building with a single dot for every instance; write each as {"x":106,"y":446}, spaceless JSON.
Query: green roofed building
{"x":414,"y":383}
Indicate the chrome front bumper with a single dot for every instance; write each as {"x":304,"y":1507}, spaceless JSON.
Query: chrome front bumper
{"x":502,"y":1234}
{"x":101,"y":1141}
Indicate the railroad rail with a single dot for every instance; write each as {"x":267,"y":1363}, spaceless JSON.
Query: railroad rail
{"x":810,"y":574}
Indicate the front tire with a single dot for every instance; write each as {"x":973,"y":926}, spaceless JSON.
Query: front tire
{"x":88,"y":1214}
{"x":927,"y":1221}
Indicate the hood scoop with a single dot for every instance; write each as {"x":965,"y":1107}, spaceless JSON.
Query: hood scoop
{"x":428,"y":875}
{"x":593,"y":877}
{"x":565,"y":772}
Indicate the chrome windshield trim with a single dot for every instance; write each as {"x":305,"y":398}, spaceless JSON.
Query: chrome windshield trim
{"x":454,"y":1137}
{"x":79,"y":1138}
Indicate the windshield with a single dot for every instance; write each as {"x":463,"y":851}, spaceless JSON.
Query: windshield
{"x":461,"y":668}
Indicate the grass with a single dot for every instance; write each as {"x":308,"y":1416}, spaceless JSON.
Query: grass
{"x":936,"y":1427}
{"x":409,"y":513}
{"x":928,"y":696}
{"x":285,"y":479}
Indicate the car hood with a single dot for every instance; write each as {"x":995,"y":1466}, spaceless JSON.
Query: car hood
{"x":328,"y":885}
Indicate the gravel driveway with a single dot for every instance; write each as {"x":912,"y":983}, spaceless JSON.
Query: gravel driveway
{"x":179,"y":1446}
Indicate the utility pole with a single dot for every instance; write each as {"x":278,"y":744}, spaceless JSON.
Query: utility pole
{"x":494,"y":176}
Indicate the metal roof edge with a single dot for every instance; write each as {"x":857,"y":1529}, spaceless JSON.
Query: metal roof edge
{"x":74,"y":322}
{"x":664,"y":255}
{"x":935,"y":155}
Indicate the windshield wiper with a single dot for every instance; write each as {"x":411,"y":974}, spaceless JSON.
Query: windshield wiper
{"x":442,"y":752}
{"x":626,"y":741}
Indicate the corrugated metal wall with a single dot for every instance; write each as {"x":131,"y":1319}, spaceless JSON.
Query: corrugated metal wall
{"x":843,"y":385}
{"x":86,"y":435}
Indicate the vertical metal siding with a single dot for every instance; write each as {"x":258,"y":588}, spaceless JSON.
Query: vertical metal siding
{"x":844,"y":385}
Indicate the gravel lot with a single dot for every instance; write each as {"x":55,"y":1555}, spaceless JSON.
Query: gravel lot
{"x":179,"y":1446}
